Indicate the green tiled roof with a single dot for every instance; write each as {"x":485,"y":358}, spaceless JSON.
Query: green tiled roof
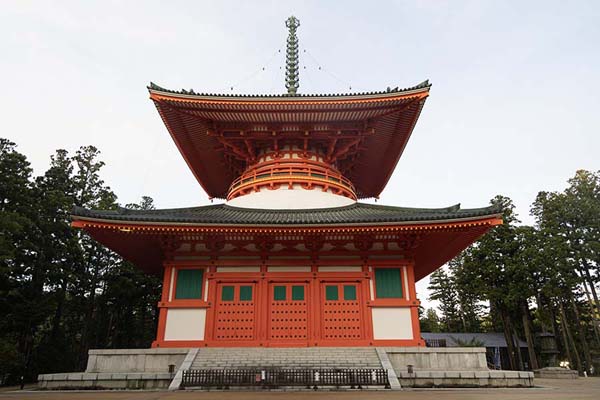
{"x":358,"y":213}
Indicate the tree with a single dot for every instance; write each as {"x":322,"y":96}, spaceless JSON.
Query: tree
{"x":443,"y":289}
{"x":21,"y":282}
{"x":570,"y":223}
{"x":61,"y":292}
{"x":430,"y":322}
{"x":491,"y":267}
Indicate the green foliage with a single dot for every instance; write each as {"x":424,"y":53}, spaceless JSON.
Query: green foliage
{"x":61,"y":292}
{"x":430,"y":322}
{"x":533,"y":278}
{"x":443,"y":289}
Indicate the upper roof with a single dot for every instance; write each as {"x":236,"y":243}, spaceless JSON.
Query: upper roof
{"x":154,"y":87}
{"x":367,"y":131}
{"x":223,"y":214}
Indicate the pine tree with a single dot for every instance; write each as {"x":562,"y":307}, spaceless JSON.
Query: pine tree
{"x":443,"y":289}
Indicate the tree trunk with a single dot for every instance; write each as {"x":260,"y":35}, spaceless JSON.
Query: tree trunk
{"x":593,"y":312}
{"x":565,"y":340}
{"x":541,"y":314}
{"x":508,"y":338}
{"x":86,"y":331}
{"x":563,"y":317}
{"x":518,"y":349}
{"x":584,"y":343}
{"x":596,"y":305}
{"x":533,"y":364}
{"x":586,"y":270}
{"x":59,"y":311}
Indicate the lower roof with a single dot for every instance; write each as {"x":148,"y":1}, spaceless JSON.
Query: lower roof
{"x":223,"y":214}
{"x":140,"y":235}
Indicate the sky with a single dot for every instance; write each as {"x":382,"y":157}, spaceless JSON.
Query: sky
{"x":514,"y":108}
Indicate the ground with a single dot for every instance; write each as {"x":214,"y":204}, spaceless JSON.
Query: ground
{"x":546,"y":389}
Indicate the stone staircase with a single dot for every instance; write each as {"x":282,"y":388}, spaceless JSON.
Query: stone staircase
{"x":286,"y":358}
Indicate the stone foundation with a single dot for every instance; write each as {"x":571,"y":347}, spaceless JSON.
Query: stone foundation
{"x":135,"y":360}
{"x":102,"y":380}
{"x":437,"y":358}
{"x":450,"y":379}
{"x":149,"y":368}
{"x":120,"y":369}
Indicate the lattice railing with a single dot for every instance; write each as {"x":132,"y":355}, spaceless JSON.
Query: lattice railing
{"x":309,"y":378}
{"x":274,"y":174}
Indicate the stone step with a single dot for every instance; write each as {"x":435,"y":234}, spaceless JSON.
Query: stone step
{"x":286,"y":358}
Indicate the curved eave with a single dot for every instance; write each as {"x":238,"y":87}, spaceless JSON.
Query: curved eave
{"x":277,"y":98}
{"x":145,"y":226}
{"x":351,"y":100}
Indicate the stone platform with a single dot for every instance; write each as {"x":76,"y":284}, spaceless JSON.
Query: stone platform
{"x":121,"y":369}
{"x":162,"y":368}
{"x":556,"y":373}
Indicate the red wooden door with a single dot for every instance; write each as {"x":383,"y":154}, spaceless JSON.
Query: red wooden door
{"x":235,"y":312}
{"x":288,"y":312}
{"x":341,"y":313}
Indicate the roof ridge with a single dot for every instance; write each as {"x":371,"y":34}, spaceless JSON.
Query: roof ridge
{"x":225,"y":214}
{"x":422,"y":85}
{"x":77,"y":210}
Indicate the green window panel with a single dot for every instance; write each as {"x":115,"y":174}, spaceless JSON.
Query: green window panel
{"x":189,"y":284}
{"x":349,"y":292}
{"x":279,"y":293}
{"x":388,"y":284}
{"x":227,"y":293}
{"x":298,"y":293}
{"x":331,"y":292}
{"x":245,"y":293}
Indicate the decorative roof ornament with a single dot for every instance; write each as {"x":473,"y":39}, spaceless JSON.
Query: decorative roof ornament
{"x":292,"y":70}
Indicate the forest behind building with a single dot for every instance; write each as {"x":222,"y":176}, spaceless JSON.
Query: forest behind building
{"x":62,"y":293}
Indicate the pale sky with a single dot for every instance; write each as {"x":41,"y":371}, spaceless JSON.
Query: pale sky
{"x":514,"y":107}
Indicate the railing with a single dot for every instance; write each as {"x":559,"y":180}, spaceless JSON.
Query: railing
{"x":269,"y":378}
{"x":283,"y":171}
{"x":435,"y":342}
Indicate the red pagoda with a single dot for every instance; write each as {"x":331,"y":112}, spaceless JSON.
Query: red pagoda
{"x":291,"y":258}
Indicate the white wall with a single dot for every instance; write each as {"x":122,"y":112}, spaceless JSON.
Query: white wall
{"x":392,"y":323}
{"x":284,"y":198}
{"x":185,"y":324}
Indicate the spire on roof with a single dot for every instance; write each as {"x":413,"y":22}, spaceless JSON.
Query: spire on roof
{"x":292,"y":73}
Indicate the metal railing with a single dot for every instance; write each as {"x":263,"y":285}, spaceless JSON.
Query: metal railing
{"x":269,"y":378}
{"x":435,"y":342}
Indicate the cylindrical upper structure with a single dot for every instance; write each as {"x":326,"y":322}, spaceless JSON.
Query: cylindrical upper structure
{"x":291,"y":178}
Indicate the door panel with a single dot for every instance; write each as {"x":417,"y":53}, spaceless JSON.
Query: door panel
{"x":341,"y":314}
{"x":288,"y":312}
{"x":235,"y":312}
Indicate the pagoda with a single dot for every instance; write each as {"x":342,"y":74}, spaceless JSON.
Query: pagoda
{"x":291,"y":257}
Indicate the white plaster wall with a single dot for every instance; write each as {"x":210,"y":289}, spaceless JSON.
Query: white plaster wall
{"x":284,"y":198}
{"x":185,"y":324}
{"x":392,"y":323}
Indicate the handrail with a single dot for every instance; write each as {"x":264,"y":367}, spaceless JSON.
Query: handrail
{"x":293,"y":171}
